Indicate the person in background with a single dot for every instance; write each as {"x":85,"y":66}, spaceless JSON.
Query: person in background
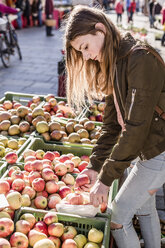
{"x":40,"y":8}
{"x":27,"y":12}
{"x":131,"y":10}
{"x":7,"y":10}
{"x":152,"y":12}
{"x":102,"y":61}
{"x":34,"y":12}
{"x":163,"y":23}
{"x":21,"y":5}
{"x":119,"y":10}
{"x":49,"y":15}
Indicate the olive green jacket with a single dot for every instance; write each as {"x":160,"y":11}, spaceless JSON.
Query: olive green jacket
{"x":139,"y":86}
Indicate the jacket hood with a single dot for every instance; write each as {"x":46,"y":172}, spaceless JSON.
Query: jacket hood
{"x":126,"y":44}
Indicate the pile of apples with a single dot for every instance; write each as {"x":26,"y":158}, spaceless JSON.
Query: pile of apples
{"x":58,"y":108}
{"x":96,"y":111}
{"x":47,"y":178}
{"x":83,"y":131}
{"x":10,"y":145}
{"x":48,"y":233}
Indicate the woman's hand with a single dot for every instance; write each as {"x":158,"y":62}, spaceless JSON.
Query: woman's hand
{"x":99,"y":193}
{"x":92,"y":177}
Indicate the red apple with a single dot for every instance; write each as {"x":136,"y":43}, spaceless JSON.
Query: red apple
{"x":103,"y":207}
{"x":82,"y":180}
{"x":17,"y":174}
{"x":11,"y":157}
{"x":56,"y":229}
{"x":51,"y":186}
{"x":18,"y":184}
{"x":40,"y":202}
{"x":43,"y":193}
{"x":29,"y":218}
{"x":7,"y":179}
{"x":69,"y":165}
{"x":34,"y":236}
{"x":28,"y":166}
{"x":75,"y":199}
{"x":12,"y":169}
{"x":68,"y":179}
{"x":29,"y":191}
{"x":50,"y":217}
{"x":47,"y":107}
{"x":56,"y":241}
{"x":53,"y":200}
{"x":69,"y":243}
{"x":64,"y":191}
{"x":6,"y":227}
{"x":4,"y":187}
{"x":85,"y":158}
{"x":33,"y":175}
{"x":60,"y":169}
{"x":22,"y":226}
{"x":69,"y":233}
{"x":4,"y":243}
{"x":40,"y":226}
{"x":76,"y":160}
{"x":39,"y":154}
{"x":19,"y":240}
{"x":76,"y":170}
{"x":10,"y":212}
{"x":82,"y":165}
{"x":37,"y":165}
{"x":7,"y":104}
{"x":57,"y":154}
{"x":49,"y":155}
{"x":28,"y":152}
{"x":64,"y":158}
{"x":29,"y":159}
{"x":38,"y":184}
{"x":47,"y":174}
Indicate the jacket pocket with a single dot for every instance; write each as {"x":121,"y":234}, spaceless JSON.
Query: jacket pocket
{"x":132,"y":102}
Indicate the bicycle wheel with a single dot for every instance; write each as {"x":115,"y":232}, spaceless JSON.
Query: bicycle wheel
{"x":15,"y":44}
{"x":18,"y":51}
{"x":5,"y":54}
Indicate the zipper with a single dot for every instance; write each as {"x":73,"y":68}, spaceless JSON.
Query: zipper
{"x":132,"y":102}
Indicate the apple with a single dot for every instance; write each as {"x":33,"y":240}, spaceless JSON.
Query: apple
{"x":56,"y":241}
{"x":7,"y":104}
{"x":4,"y":243}
{"x":57,"y":154}
{"x":80,"y":240}
{"x":40,"y":226}
{"x":40,"y":202}
{"x":56,"y":229}
{"x":22,"y":226}
{"x":4,"y":214}
{"x":47,"y":174}
{"x":101,"y":106}
{"x":39,"y":154}
{"x":38,"y":184}
{"x":11,"y":157}
{"x":76,"y":160}
{"x":82,"y":180}
{"x":6,"y":227}
{"x":44,"y":243}
{"x":29,"y":159}
{"x":82,"y":165}
{"x":99,"y":117}
{"x":14,"y":199}
{"x":29,"y":191}
{"x":10,"y":212}
{"x":60,"y":169}
{"x":85,"y":158}
{"x":12,"y":169}
{"x":75,"y":199}
{"x":61,"y":183}
{"x":50,"y":217}
{"x":69,"y":233}
{"x":7,"y":179}
{"x":64,"y":158}
{"x":26,"y":202}
{"x":53,"y":200}
{"x":103,"y":207}
{"x":18,"y":184}
{"x":43,"y":193}
{"x":51,"y":186}
{"x":95,"y":235}
{"x":68,"y":179}
{"x":33,"y":175}
{"x":49,"y":96}
{"x":29,"y":218}
{"x":49,"y":155}
{"x":35,"y":236}
{"x":64,"y":191}
{"x":47,"y":107}
{"x":28,"y":166}
{"x":47,"y":161}
{"x":92,"y":118}
{"x":69,"y":243}
{"x":4,"y":187}
{"x":52,"y":102}
{"x":69,"y":165}
{"x":91,"y":245}
{"x":17,"y":174}
{"x":76,"y":170}
{"x":37,"y":165}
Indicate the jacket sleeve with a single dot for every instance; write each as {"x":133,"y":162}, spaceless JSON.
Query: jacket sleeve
{"x":110,"y":133}
{"x":7,"y":10}
{"x":146,"y":77}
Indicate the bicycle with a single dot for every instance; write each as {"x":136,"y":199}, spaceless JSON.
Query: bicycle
{"x":8,"y":42}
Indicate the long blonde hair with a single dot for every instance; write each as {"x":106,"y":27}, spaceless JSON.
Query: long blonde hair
{"x":89,"y":79}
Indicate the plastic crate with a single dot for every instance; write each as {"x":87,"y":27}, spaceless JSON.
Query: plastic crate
{"x":82,"y":224}
{"x":37,"y":143}
{"x":19,"y":97}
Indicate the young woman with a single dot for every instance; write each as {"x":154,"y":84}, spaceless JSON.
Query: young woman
{"x":100,"y":61}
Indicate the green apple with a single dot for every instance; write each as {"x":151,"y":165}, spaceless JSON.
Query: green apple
{"x":80,"y":240}
{"x":95,"y":235}
{"x":91,"y":245}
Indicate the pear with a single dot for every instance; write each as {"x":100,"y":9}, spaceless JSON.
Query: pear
{"x":14,"y":130}
{"x":13,"y":144}
{"x":54,"y":126}
{"x":37,"y":119}
{"x":15,"y":119}
{"x":37,"y":111}
{"x":83,"y":133}
{"x":22,"y":111}
{"x":42,"y":127}
{"x":74,"y":138}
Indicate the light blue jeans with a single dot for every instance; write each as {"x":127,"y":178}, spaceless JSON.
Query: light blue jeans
{"x":134,"y":198}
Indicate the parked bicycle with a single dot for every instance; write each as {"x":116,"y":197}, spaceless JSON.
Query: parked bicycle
{"x":8,"y":41}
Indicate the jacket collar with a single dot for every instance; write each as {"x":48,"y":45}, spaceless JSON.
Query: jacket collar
{"x":126,"y":44}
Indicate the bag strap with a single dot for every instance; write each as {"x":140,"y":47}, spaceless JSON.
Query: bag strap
{"x":160,"y":112}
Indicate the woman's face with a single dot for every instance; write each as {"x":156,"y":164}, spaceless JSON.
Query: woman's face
{"x":89,"y":45}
